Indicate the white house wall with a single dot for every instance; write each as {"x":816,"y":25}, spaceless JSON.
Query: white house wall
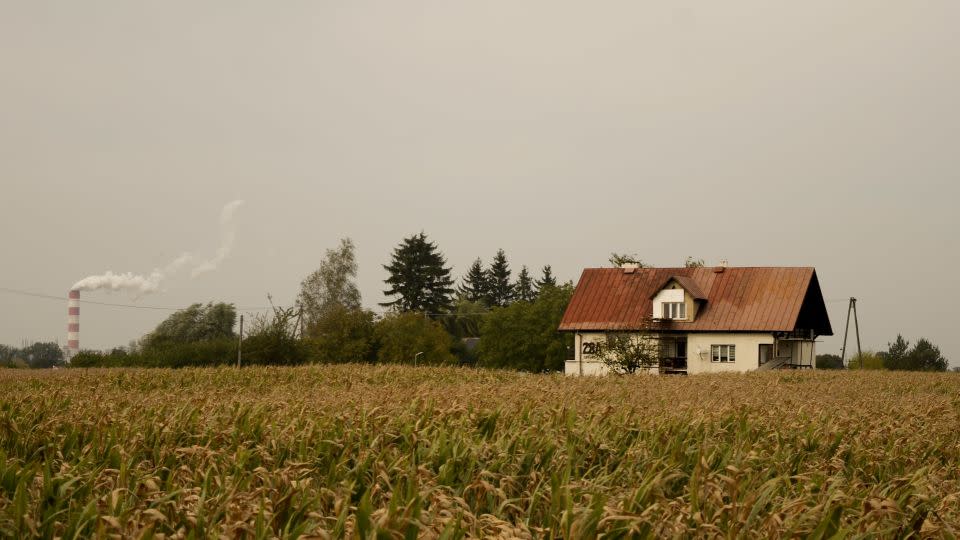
{"x":698,"y":353}
{"x":699,"y":358}
{"x":586,"y":363}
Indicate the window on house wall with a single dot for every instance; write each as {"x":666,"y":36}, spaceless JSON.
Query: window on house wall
{"x":723,"y":353}
{"x":674,"y":310}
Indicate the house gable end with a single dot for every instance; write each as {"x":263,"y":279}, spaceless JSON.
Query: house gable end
{"x":813,"y":311}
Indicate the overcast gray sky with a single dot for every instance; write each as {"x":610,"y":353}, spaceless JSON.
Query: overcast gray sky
{"x":816,"y":133}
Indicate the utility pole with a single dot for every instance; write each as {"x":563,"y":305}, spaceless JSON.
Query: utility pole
{"x":298,"y":327}
{"x":856,"y":326}
{"x":240,"y":342}
{"x":300,"y":321}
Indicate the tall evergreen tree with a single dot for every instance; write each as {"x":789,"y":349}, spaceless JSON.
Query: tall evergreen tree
{"x":925,"y":356}
{"x":897,"y":354}
{"x":523,"y":289}
{"x":547,"y":280}
{"x":474,"y":286}
{"x":500,"y":291}
{"x":418,"y":277}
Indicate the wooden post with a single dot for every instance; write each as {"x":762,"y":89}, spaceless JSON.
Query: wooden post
{"x":240,"y":342}
{"x":852,"y":308}
{"x":856,"y":327}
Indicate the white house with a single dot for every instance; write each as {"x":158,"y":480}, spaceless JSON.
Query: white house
{"x":704,"y":319}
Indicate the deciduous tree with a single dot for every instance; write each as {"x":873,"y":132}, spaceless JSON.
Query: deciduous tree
{"x":42,"y":355}
{"x":867,"y":360}
{"x":693,"y":263}
{"x":619,"y":259}
{"x":400,"y":336}
{"x":465,"y":320}
{"x":332,"y":286}
{"x":196,"y":323}
{"x":344,"y":335}
{"x":524,"y":335}
{"x":628,"y":353}
{"x":829,"y":361}
{"x":273,"y":339}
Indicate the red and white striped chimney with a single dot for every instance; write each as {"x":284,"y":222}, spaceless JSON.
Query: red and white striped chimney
{"x":73,"y":324}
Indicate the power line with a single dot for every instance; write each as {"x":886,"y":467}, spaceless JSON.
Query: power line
{"x":110,"y":304}
{"x":166,"y":308}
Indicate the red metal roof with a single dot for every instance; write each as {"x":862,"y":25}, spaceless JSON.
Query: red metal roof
{"x":737,"y":299}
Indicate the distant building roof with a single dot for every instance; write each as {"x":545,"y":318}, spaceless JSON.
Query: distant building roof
{"x":732,"y":299}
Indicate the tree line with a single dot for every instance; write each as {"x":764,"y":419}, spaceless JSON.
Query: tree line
{"x":489,"y":318}
{"x":37,"y":355}
{"x":899,"y":356}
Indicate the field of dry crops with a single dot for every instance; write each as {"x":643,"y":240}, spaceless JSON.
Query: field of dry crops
{"x":405,"y":452}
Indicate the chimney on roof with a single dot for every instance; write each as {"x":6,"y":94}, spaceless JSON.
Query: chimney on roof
{"x":722,"y":267}
{"x":629,"y":268}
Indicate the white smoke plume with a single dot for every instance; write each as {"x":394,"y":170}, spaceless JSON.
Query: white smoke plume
{"x":227,"y":233}
{"x":117,"y":282}
{"x":178,"y":263}
{"x":145,"y":284}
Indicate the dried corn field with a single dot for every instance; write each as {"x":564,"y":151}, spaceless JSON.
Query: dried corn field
{"x":359,"y":451}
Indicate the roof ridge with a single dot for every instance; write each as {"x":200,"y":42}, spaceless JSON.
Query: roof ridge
{"x":694,"y":268}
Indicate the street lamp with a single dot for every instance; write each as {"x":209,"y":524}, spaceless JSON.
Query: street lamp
{"x":415,"y":358}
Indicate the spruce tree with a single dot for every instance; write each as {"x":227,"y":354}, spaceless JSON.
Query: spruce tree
{"x":897,"y":354}
{"x":523,"y":289}
{"x":474,"y":286}
{"x":418,"y":277}
{"x":547,"y":280}
{"x":500,"y":290}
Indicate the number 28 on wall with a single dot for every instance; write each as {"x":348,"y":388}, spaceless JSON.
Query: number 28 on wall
{"x":590,"y":348}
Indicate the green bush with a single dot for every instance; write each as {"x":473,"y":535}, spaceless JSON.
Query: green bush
{"x":343,"y":335}
{"x":866,"y":360}
{"x":829,"y":361}
{"x":524,"y":335}
{"x":402,"y":335}
{"x":271,"y":348}
{"x":175,"y":355}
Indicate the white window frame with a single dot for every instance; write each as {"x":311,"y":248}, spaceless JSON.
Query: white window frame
{"x":674,"y":310}
{"x":723,"y":354}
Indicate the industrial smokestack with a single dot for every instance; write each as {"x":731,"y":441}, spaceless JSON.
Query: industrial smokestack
{"x":73,"y":324}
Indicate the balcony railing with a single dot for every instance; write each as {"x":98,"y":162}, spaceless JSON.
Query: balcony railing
{"x":673,"y":364}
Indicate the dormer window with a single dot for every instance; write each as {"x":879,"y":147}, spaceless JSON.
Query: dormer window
{"x":674,"y":296}
{"x":674,"y":310}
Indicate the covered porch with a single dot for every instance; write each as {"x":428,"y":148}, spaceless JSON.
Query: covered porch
{"x":790,"y":350}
